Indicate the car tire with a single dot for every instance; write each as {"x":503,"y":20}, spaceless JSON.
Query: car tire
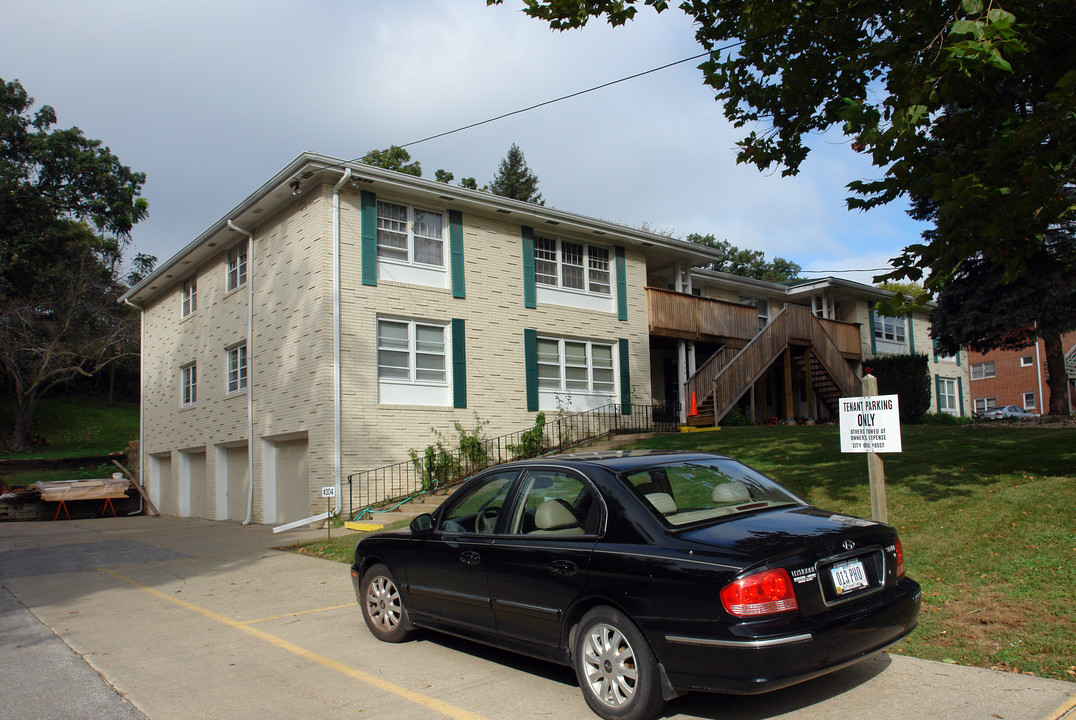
{"x":615,"y":667}
{"x":382,"y":606}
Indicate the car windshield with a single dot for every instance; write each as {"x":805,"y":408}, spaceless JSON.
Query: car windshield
{"x":700,"y":490}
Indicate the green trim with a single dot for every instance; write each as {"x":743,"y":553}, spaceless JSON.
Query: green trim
{"x":911,"y":334}
{"x":625,"y":377}
{"x":530,"y":288}
{"x":368,"y":211}
{"x":958,"y":358}
{"x":621,"y":284}
{"x":935,"y":347}
{"x":530,"y":363}
{"x":960,"y":394}
{"x":459,"y":364}
{"x":455,"y":244}
{"x":870,"y":323}
{"x":937,"y":393}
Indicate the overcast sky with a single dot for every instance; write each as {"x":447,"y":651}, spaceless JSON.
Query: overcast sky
{"x":210,"y":99}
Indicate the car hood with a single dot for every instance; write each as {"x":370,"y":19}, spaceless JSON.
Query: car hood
{"x":775,"y":535}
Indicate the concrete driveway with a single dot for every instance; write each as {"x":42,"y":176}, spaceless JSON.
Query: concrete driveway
{"x":190,"y":619}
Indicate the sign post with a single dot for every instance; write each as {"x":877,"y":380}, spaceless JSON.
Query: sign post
{"x":329,"y":492}
{"x":871,"y":424}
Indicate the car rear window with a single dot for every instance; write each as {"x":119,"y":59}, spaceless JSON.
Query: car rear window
{"x":699,"y":490}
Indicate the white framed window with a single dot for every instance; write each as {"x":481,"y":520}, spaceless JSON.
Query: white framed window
{"x":983,"y":370}
{"x":985,"y":404}
{"x":237,"y":267}
{"x":1029,"y":401}
{"x":889,"y":329}
{"x":568,"y":265}
{"x":412,"y":362}
{"x":190,"y":296}
{"x":237,"y":367}
{"x":763,"y":307}
{"x":575,"y":367}
{"x":947,"y":396}
{"x":409,"y":234}
{"x":188,"y":384}
{"x":1026,"y":361}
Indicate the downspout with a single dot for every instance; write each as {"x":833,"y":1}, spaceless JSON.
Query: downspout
{"x":1040,"y":402}
{"x":337,"y":392}
{"x":250,"y":368}
{"x":141,"y":401}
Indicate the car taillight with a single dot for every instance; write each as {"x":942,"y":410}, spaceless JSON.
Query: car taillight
{"x":764,"y":593}
{"x":900,"y":557}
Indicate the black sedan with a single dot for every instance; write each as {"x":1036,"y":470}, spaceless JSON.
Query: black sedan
{"x":651,"y":574}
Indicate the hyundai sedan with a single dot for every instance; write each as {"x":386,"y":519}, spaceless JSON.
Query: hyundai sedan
{"x":651,"y":574}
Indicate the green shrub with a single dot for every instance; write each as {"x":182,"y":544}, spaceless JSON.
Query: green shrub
{"x":735,"y":418}
{"x":941,"y":418}
{"x":907,"y":377}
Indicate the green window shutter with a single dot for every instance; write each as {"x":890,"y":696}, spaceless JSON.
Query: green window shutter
{"x":455,"y":243}
{"x":625,"y":378}
{"x":530,"y":291}
{"x":958,"y":358}
{"x":621,"y":285}
{"x":911,"y":334}
{"x":530,"y":352}
{"x":937,"y":393}
{"x":960,"y":394}
{"x":870,"y":323}
{"x":368,"y":209}
{"x":459,"y":364}
{"x":935,"y":347}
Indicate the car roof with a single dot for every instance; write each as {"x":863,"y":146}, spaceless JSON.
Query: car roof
{"x":621,"y":460}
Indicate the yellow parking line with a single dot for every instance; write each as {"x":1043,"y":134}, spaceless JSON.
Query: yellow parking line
{"x":401,"y":692}
{"x":299,"y":612}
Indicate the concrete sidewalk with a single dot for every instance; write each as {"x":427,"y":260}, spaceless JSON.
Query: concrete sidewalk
{"x":191,"y":618}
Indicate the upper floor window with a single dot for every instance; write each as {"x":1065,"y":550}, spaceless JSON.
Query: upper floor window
{"x":573,"y":366}
{"x":237,"y":267}
{"x":763,"y":307}
{"x":190,"y":294}
{"x":188,"y":384}
{"x":983,"y":370}
{"x":890,"y":329}
{"x":410,"y":234}
{"x":572,"y":266}
{"x":237,"y":368}
{"x":1026,"y":361}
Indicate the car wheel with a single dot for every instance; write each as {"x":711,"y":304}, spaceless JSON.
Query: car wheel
{"x":615,"y":667}
{"x":382,"y":607}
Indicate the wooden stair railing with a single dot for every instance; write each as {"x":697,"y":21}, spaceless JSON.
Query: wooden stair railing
{"x":749,"y":364}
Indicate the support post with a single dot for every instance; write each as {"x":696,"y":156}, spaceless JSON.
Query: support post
{"x":789,"y":412}
{"x":875,"y":468}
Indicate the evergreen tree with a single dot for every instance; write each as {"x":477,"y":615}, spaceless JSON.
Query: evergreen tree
{"x":515,"y":180}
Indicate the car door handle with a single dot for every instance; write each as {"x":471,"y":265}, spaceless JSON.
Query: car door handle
{"x":563,"y":567}
{"x":470,"y":557}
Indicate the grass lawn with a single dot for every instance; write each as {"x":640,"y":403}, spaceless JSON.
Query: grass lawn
{"x":71,"y":426}
{"x":985,"y":513}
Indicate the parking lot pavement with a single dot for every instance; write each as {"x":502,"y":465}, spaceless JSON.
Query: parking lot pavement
{"x":191,"y":618}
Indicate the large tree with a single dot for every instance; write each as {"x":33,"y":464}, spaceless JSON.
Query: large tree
{"x":67,"y":206}
{"x":514,"y":178}
{"x":980,"y":310}
{"x":889,"y":73}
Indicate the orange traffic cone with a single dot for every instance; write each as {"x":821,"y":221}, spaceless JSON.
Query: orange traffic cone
{"x":694,"y":408}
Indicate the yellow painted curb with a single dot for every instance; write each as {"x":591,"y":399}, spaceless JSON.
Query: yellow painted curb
{"x":363,"y":526}
{"x":688,"y":428}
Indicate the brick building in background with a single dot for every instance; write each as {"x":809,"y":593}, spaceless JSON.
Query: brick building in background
{"x":1019,"y":377}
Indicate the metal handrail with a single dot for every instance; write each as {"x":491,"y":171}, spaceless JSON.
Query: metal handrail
{"x":399,"y":482}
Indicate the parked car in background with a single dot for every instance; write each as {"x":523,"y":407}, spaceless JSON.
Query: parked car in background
{"x":651,"y":574}
{"x":1009,"y":411}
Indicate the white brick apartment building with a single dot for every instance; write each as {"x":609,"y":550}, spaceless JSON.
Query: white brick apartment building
{"x":327,"y":322}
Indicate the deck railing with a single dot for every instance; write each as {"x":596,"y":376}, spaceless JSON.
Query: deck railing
{"x":394,"y":484}
{"x":689,"y":317}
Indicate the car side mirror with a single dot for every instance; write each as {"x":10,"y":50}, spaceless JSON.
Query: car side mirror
{"x":422,"y":524}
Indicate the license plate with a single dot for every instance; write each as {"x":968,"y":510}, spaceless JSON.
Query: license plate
{"x":848,"y":576}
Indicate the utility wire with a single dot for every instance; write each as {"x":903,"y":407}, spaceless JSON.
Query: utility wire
{"x":562,"y":97}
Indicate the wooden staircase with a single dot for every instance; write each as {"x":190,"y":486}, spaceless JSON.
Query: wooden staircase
{"x":722,"y":380}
